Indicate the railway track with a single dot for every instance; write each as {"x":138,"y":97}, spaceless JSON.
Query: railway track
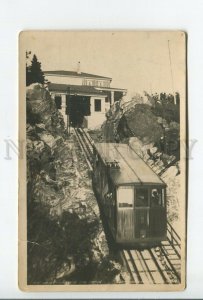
{"x":86,"y":145}
{"x":157,"y":265}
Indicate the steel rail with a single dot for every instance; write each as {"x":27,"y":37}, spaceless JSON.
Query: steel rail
{"x":135,"y":276}
{"x":173,"y":248}
{"x":161,"y":272}
{"x":84,"y":149}
{"x":86,"y":141}
{"x":135,"y":266}
{"x":170,"y":264}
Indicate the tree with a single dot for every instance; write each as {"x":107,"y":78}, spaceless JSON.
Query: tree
{"x":34,"y":72}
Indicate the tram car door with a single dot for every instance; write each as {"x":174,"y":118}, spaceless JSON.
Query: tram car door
{"x":125,"y":213}
{"x":157,"y":216}
{"x":142,"y":207}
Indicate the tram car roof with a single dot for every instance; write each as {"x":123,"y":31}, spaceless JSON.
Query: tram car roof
{"x":127,"y":166}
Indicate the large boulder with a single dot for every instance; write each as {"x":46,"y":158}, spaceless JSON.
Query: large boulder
{"x":36,"y":91}
{"x":41,"y":109}
{"x":143,"y":123}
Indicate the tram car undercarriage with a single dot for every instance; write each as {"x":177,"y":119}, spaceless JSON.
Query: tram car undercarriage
{"x":132,"y":196}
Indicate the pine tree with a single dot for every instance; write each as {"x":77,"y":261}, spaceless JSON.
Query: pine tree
{"x":34,"y":72}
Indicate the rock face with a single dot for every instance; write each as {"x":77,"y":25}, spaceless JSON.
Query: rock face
{"x":66,"y":241}
{"x":41,"y":109}
{"x":145,"y":123}
{"x":138,"y":121}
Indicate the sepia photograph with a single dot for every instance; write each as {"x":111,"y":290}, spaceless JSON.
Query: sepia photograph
{"x":102,"y":172}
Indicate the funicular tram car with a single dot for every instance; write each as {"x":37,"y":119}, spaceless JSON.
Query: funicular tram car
{"x":132,"y":196}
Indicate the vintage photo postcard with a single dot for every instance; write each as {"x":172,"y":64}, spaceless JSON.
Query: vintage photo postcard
{"x":102,"y":175}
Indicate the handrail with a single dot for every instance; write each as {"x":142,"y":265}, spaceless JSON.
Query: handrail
{"x":173,"y":231}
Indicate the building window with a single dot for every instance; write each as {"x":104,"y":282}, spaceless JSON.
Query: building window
{"x":106,"y":83}
{"x":97,"y":104}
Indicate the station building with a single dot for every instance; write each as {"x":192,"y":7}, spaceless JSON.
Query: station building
{"x":82,"y":98}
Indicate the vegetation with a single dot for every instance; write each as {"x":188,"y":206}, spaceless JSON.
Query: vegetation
{"x":34,"y":72}
{"x":169,"y":111}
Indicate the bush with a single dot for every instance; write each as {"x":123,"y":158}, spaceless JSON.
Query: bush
{"x":169,"y":111}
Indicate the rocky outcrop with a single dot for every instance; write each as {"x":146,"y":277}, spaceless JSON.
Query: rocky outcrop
{"x":143,"y":122}
{"x":66,"y":240}
{"x":41,"y":109}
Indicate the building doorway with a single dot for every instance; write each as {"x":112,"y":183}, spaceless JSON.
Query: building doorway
{"x":77,"y":108}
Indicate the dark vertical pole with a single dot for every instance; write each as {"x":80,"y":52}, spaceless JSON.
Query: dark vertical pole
{"x":169,"y":52}
{"x":163,"y":116}
{"x":69,"y":108}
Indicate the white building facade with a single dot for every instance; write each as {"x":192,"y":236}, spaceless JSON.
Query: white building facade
{"x":82,"y":98}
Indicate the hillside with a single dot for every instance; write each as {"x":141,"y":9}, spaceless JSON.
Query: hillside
{"x":66,"y":243}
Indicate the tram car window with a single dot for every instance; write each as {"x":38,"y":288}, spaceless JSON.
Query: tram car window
{"x":156,"y":197}
{"x":125,"y":197}
{"x":142,"y":197}
{"x":131,"y":195}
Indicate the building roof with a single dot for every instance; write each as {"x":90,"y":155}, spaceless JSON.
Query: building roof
{"x":132,"y":168}
{"x":75,"y":89}
{"x":75,"y":74}
{"x":111,"y":89}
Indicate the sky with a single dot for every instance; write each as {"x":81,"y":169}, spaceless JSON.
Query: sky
{"x":136,"y":60}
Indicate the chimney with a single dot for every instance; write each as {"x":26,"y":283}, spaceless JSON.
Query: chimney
{"x":78,"y":68}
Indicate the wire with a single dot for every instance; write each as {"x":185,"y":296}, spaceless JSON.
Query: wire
{"x":169,"y":52}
